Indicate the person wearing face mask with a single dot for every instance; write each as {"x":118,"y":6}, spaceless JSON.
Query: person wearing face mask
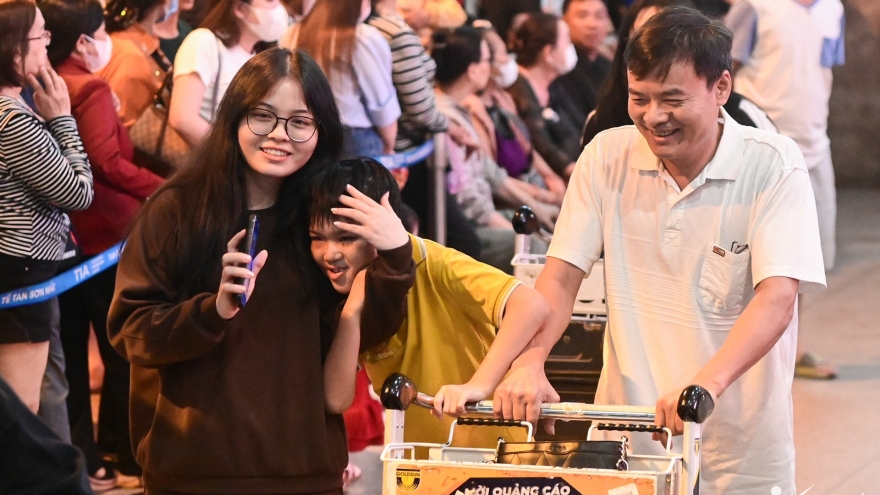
{"x":544,"y":52}
{"x":358,"y":65}
{"x":463,"y":70}
{"x":137,"y":66}
{"x":231,"y":33}
{"x":503,"y":134}
{"x":80,"y":47}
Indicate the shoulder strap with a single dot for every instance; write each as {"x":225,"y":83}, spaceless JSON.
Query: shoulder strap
{"x":216,"y":90}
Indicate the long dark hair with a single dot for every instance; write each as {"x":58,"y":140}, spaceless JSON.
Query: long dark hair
{"x":327,"y":33}
{"x":611,"y":110}
{"x":16,"y":19}
{"x":212,"y":193}
{"x":68,"y":20}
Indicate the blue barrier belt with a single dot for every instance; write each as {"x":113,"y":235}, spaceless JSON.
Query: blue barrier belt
{"x":60,"y":283}
{"x":405,"y":160}
{"x":88,"y":269}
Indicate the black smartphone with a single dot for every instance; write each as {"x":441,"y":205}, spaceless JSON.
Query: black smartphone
{"x":253,"y":228}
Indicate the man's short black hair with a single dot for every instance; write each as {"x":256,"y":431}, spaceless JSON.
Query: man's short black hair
{"x":365,"y":174}
{"x":680,"y":34}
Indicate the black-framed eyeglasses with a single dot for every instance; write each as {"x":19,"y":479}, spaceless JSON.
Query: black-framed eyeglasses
{"x":47,"y":35}
{"x":299,"y":128}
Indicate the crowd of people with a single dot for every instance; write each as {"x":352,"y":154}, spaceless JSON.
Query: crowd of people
{"x":166,"y":123}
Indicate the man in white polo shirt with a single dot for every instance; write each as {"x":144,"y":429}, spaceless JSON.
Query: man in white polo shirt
{"x":783,"y":52}
{"x":709,"y":231}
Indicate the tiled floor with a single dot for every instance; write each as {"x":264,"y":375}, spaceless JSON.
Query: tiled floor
{"x":837,"y":423}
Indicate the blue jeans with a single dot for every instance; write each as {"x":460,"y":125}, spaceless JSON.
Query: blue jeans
{"x":362,"y":141}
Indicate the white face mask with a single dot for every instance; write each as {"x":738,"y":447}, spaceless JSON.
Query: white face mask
{"x":104,"y":49}
{"x":571,"y":60}
{"x":271,"y":22}
{"x":507,"y":74}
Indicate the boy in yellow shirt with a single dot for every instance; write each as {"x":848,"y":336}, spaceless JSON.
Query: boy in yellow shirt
{"x":453,"y":309}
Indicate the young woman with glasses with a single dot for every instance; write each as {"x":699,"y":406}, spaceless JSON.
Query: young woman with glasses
{"x":228,"y":398}
{"x":43,"y":173}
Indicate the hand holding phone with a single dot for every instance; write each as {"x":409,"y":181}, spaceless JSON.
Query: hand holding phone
{"x":253,"y":228}
{"x":240,"y":270}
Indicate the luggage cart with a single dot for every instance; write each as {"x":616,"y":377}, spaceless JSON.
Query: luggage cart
{"x":446,"y":470}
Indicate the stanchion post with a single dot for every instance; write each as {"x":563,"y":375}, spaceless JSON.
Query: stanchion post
{"x":437,"y":186}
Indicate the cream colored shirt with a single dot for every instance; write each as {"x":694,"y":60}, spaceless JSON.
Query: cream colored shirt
{"x":675,"y":288}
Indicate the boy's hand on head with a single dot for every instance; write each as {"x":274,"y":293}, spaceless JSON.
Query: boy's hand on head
{"x":451,"y":399}
{"x":376,"y":223}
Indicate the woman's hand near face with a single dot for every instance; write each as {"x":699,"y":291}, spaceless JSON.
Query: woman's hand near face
{"x":51,"y":97}
{"x":231,"y":280}
{"x":376,"y":223}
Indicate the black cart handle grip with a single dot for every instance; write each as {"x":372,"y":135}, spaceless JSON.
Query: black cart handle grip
{"x":640,"y":428}
{"x":490,"y":422}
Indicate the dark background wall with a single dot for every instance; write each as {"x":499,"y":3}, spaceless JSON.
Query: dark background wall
{"x":854,"y":123}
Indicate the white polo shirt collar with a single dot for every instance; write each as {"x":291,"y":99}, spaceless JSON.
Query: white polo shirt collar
{"x":725,"y":165}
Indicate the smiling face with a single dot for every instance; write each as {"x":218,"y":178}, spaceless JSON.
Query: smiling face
{"x":678,"y":116}
{"x":275,"y":155}
{"x":339,"y":254}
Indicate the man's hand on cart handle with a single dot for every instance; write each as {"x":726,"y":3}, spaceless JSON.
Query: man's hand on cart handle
{"x":667,"y":414}
{"x":522,"y":393}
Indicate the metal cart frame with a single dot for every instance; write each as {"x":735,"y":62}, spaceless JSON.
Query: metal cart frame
{"x":471,"y":471}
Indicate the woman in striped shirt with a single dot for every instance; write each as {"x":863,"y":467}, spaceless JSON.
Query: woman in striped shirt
{"x":43,"y":172}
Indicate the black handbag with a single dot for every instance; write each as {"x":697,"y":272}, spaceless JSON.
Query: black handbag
{"x":593,"y":454}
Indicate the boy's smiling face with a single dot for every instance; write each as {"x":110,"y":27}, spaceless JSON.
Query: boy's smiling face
{"x":339,"y":254}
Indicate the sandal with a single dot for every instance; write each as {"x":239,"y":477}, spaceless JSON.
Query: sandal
{"x":813,"y":367}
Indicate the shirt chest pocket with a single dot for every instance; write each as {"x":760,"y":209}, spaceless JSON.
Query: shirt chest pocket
{"x":723,"y":280}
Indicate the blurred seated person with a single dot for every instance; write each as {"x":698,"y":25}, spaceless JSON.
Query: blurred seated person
{"x":544,"y":52}
{"x":173,"y":30}
{"x":463,"y":69}
{"x":137,"y":66}
{"x":503,"y":134}
{"x":589,"y":24}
